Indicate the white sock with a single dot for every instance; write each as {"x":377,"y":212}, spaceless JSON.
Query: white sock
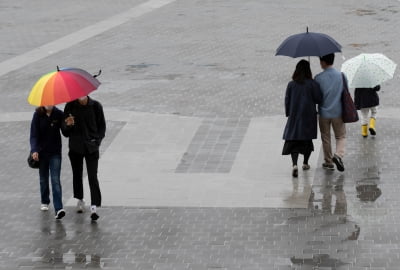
{"x":93,"y":208}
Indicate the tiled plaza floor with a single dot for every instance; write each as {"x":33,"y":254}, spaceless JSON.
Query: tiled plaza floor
{"x":191,"y":169}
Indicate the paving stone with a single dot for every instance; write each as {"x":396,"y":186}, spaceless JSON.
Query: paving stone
{"x":212,"y":60}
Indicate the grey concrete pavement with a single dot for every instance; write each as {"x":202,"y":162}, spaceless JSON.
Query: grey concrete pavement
{"x":191,"y":170}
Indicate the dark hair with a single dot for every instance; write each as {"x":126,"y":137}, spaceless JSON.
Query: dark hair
{"x":302,"y":72}
{"x":41,"y":110}
{"x":328,"y":59}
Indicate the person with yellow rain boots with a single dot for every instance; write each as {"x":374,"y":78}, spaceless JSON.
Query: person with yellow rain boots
{"x":367,"y":101}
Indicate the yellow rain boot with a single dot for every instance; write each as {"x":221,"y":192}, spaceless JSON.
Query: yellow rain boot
{"x":364,"y":131}
{"x":372,"y":126}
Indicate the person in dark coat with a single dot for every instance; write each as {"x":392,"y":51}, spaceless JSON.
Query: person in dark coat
{"x":302,"y":95}
{"x":86,"y":127}
{"x":367,"y":100}
{"x":45,"y":141}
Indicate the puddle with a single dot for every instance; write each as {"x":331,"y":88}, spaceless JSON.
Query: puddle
{"x":139,"y":67}
{"x":368,"y":192}
{"x":364,"y":12}
{"x":390,"y":9}
{"x":358,"y":45}
{"x":367,"y":187}
{"x":167,"y":77}
{"x":318,"y":260}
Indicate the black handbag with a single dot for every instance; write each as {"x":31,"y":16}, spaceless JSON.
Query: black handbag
{"x":34,"y":164}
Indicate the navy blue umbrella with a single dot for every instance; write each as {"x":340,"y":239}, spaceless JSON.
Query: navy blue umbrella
{"x":308,"y":44}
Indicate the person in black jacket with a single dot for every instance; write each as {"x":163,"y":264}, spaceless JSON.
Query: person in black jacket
{"x":85,"y":127}
{"x":302,"y":95}
{"x":367,"y":100}
{"x":45,"y":141}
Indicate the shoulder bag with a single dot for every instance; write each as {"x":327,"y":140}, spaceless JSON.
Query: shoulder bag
{"x":349,"y":111}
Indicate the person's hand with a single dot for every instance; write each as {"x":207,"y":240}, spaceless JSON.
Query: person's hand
{"x":70,"y":121}
{"x":35,"y":156}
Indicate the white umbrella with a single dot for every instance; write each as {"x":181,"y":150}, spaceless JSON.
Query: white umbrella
{"x":368,"y":70}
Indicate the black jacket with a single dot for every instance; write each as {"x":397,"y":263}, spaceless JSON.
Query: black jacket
{"x":366,"y":97}
{"x":45,"y":135}
{"x":300,"y":108}
{"x":89,"y":128}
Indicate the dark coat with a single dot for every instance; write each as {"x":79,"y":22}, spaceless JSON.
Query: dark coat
{"x":90,"y":126}
{"x":300,"y":108}
{"x":45,"y":135}
{"x":366,"y":97}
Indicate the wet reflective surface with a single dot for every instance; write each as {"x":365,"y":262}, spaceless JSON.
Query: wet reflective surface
{"x":350,"y":223}
{"x":204,"y":59}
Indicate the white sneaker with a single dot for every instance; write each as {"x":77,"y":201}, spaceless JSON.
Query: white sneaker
{"x":80,"y":207}
{"x":60,"y":214}
{"x":44,"y":207}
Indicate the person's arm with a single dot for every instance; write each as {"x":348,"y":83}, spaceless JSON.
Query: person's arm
{"x":35,"y":136}
{"x":68,"y":121}
{"x":317,"y":93}
{"x":287,"y":101}
{"x":101,"y":122}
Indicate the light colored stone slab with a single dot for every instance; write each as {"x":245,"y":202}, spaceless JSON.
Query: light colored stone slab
{"x":138,"y":168}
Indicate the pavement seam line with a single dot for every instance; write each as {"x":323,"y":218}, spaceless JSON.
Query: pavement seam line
{"x":79,"y":36}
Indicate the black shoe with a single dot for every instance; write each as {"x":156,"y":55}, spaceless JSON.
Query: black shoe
{"x":94,"y":216}
{"x":339,"y":163}
{"x":372,"y":131}
{"x":60,"y":214}
{"x":328,"y":166}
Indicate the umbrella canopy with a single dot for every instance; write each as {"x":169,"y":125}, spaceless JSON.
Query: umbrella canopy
{"x":308,"y":44}
{"x":62,"y":85}
{"x":367,"y":70}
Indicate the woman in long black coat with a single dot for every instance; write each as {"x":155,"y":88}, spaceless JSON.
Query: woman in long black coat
{"x":302,"y":96}
{"x":367,"y":100}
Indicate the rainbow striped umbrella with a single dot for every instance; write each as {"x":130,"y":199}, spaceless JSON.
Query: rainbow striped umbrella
{"x":62,"y":85}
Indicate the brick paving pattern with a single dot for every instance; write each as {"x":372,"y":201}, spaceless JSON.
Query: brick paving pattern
{"x":214,"y":60}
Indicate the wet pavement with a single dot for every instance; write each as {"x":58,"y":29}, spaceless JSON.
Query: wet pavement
{"x":189,"y":89}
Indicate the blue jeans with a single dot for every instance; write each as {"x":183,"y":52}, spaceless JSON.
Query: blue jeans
{"x":52,"y":164}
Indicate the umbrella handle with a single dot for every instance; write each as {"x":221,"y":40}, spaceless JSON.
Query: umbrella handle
{"x":98,"y":74}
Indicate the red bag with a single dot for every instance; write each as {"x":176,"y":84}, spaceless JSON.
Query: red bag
{"x":349,"y":111}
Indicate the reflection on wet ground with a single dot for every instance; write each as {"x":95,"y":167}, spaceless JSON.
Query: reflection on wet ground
{"x":68,"y":260}
{"x":367,"y":187}
{"x":326,"y":235}
{"x":368,"y":192}
{"x":58,"y":254}
{"x":223,"y":65}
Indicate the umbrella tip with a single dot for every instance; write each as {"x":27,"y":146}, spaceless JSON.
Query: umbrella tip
{"x":58,"y":68}
{"x":307,"y":29}
{"x":98,"y":74}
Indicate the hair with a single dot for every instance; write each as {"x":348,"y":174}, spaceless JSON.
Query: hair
{"x":328,"y":59}
{"x":302,"y":72}
{"x":41,"y":110}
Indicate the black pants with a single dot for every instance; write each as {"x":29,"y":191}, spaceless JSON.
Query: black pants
{"x":92,"y":162}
